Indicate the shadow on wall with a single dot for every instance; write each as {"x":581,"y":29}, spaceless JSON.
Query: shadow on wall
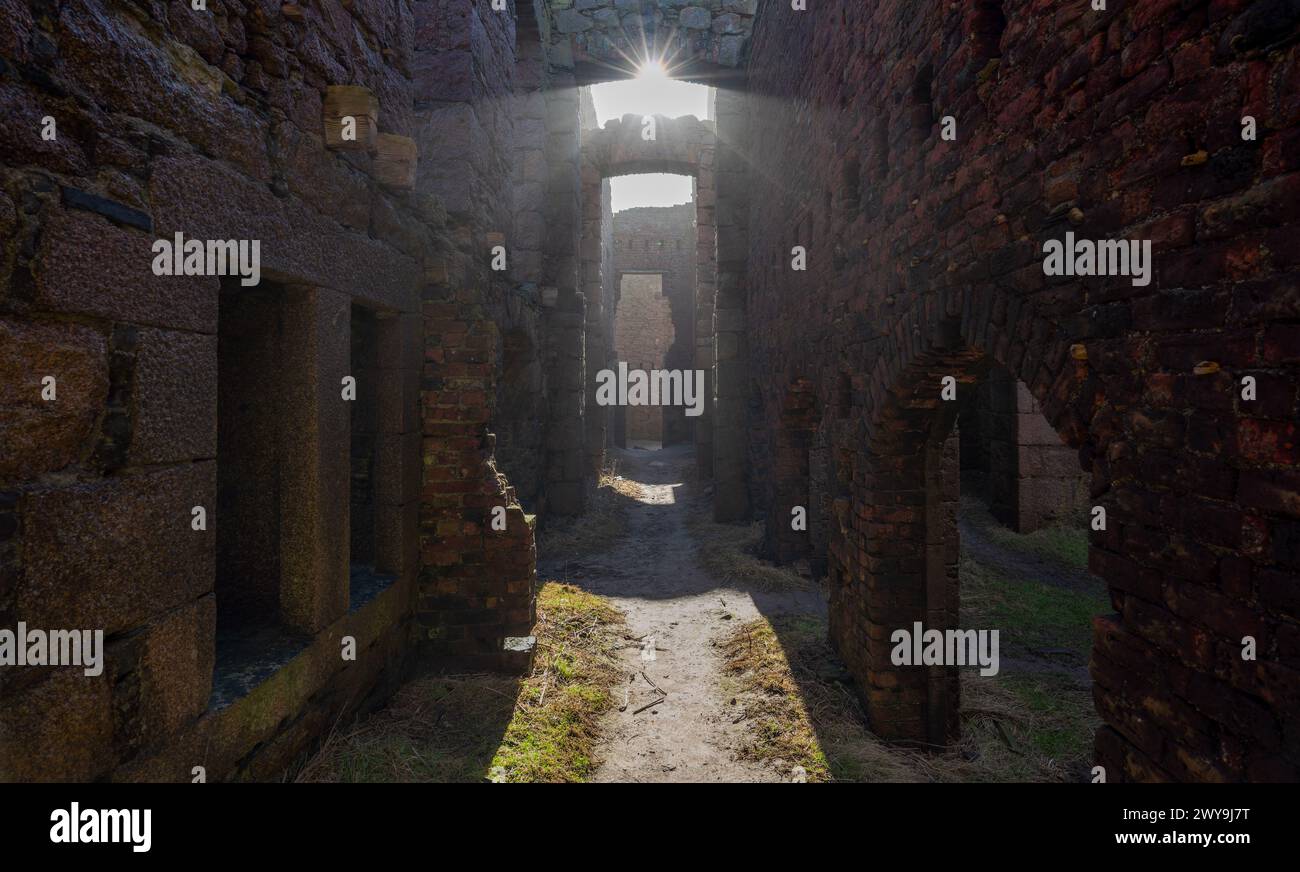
{"x":520,"y":406}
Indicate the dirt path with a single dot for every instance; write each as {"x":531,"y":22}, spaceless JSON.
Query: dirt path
{"x":653,"y":576}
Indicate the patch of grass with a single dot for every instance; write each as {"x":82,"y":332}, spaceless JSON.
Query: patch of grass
{"x":1049,"y":629}
{"x":604,"y":523}
{"x":799,"y":710}
{"x":1028,"y":727}
{"x":788,"y":712}
{"x":1063,"y":544}
{"x":489,"y":727}
{"x":729,"y":553}
{"x":1033,"y":615}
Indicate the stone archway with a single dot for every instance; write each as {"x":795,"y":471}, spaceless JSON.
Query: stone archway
{"x":681,"y":146}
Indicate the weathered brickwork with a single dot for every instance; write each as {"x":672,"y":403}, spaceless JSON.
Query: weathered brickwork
{"x":643,"y":332}
{"x":925,"y":261}
{"x":403,"y":517}
{"x":475,"y":588}
{"x":479,"y":80}
{"x":663,"y":239}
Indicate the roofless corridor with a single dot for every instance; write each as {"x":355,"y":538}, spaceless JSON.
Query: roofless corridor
{"x":603,"y":390}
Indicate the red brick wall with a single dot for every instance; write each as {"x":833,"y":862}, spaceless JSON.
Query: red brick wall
{"x":475,"y":586}
{"x":925,"y":261}
{"x":643,"y":334}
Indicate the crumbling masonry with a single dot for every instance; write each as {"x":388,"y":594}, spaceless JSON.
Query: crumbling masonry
{"x":182,"y":465}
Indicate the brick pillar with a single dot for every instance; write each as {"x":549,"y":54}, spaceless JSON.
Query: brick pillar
{"x":731,"y":370}
{"x":895,"y":555}
{"x":566,"y":482}
{"x":942,"y":582}
{"x":706,"y":289}
{"x":790,"y":479}
{"x":595,"y":225}
{"x":476,"y":584}
{"x":566,"y":492}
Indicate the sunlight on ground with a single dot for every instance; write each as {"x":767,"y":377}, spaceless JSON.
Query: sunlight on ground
{"x":604,"y":524}
{"x":467,"y":728}
{"x":729,"y":553}
{"x":1033,"y":722}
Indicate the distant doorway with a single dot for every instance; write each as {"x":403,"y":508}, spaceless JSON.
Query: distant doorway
{"x":643,"y":333}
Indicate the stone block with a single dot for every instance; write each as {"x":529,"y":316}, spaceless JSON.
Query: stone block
{"x":112,"y":554}
{"x":58,"y":729}
{"x":395,"y":161}
{"x":351,"y":118}
{"x":44,"y":436}
{"x":572,"y":21}
{"x":695,"y":18}
{"x":174,"y":396}
{"x":88,"y":265}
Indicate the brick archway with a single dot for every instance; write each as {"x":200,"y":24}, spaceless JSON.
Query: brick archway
{"x":894,"y":547}
{"x":894,"y":541}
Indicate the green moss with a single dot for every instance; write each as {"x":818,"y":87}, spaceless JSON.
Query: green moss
{"x":491,"y":727}
{"x":1066,"y":546}
{"x":1030,"y":614}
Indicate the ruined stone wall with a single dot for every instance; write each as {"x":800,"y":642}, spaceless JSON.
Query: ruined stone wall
{"x":480,"y":81}
{"x":521,"y":411}
{"x":925,"y":261}
{"x":567,"y":483}
{"x":725,"y":241}
{"x":663,"y":239}
{"x":475,"y":592}
{"x":211,"y":124}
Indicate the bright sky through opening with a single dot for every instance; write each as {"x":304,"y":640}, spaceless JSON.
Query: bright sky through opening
{"x":651,"y":93}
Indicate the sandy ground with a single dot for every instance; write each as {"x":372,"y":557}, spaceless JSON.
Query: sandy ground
{"x":674,"y":611}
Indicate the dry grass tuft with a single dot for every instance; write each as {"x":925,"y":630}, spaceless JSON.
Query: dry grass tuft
{"x":604,"y":524}
{"x":464,"y":728}
{"x":729,"y":553}
{"x":800,"y":711}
